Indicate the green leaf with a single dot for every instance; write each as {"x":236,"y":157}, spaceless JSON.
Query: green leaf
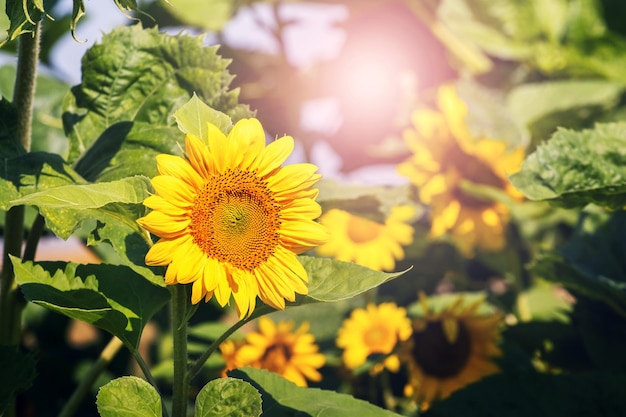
{"x":17,"y":372}
{"x":193,"y":116}
{"x":530,"y":103}
{"x":139,"y":78}
{"x":128,"y":396}
{"x":23,"y":14}
{"x":114,"y":298}
{"x":209,"y":16}
{"x":331,"y":280}
{"x":535,"y":394}
{"x":284,"y":398}
{"x":591,"y":263}
{"x":25,"y":174}
{"x":228,"y":397}
{"x":575,"y":168}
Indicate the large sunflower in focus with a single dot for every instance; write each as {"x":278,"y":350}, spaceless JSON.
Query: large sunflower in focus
{"x":450,"y":348}
{"x":376,"y":329}
{"x":368,"y":243}
{"x":231,"y":218}
{"x":445,"y":154}
{"x":277,"y":348}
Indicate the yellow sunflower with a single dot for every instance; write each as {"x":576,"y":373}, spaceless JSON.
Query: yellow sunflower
{"x":450,"y":348}
{"x":231,"y":218}
{"x":374,"y":329}
{"x":368,"y":243}
{"x":277,"y":348}
{"x":445,"y":154}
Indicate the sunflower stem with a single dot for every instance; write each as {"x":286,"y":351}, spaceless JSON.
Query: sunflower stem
{"x":11,"y":300}
{"x":180,"y":387}
{"x":197,"y":366}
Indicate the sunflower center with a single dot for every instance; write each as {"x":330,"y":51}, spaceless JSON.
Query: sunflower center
{"x":276,"y":357}
{"x":362,"y":230}
{"x":377,"y":338}
{"x":235,"y":219}
{"x":436,"y":355}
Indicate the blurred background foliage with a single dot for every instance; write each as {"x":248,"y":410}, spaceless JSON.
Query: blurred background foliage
{"x":525,"y":69}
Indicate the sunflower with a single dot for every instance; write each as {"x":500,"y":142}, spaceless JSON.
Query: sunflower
{"x":368,"y":243}
{"x":371,"y":330}
{"x":275,"y":347}
{"x":232,"y":219}
{"x":445,"y":156}
{"x":450,"y":349}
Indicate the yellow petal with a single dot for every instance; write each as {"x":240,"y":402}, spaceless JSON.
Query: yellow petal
{"x":163,"y":225}
{"x":273,"y":156}
{"x":175,"y":166}
{"x":174,"y":190}
{"x":199,"y":156}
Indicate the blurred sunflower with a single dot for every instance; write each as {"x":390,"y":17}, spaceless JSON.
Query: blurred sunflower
{"x":450,"y":349}
{"x":275,"y":347}
{"x":445,"y":156}
{"x":231,"y":219}
{"x":368,"y":243}
{"x":374,"y":329}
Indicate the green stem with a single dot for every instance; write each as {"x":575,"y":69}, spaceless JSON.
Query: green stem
{"x":180,"y":388}
{"x":109,"y":351}
{"x":148,"y":375}
{"x":11,"y":301}
{"x":34,"y":234}
{"x":197,"y":366}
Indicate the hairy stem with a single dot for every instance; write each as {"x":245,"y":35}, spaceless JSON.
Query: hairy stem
{"x":11,"y":301}
{"x":180,"y":388}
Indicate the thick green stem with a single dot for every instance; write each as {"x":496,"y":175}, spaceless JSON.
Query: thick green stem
{"x":108,"y":353}
{"x":11,"y":301}
{"x":180,"y":387}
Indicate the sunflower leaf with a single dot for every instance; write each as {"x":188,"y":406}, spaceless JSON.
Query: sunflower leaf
{"x":281,"y":397}
{"x":23,"y":14}
{"x":228,"y":397}
{"x":128,"y":396}
{"x":590,"y":262}
{"x":112,"y":297}
{"x":138,"y":78}
{"x":331,"y":280}
{"x":209,"y":16}
{"x":194,"y":115}
{"x":575,"y":168}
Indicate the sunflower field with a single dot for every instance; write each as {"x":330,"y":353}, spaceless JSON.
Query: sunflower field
{"x":278,"y":208}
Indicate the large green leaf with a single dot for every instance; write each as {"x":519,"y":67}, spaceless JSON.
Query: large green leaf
{"x":284,"y":398}
{"x":17,"y":371}
{"x":128,"y":396}
{"x":228,"y":397}
{"x":114,"y":298}
{"x":138,"y":78}
{"x":331,"y":280}
{"x":194,"y":115}
{"x":575,"y":168}
{"x":541,"y":107}
{"x":591,"y":262}
{"x":25,"y":174}
{"x":535,"y":394}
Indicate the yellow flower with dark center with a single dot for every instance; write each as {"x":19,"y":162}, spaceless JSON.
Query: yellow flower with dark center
{"x":277,"y":348}
{"x":450,"y":349}
{"x":445,"y":155}
{"x":232,"y":219}
{"x":368,"y":243}
{"x":375,"y":329}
